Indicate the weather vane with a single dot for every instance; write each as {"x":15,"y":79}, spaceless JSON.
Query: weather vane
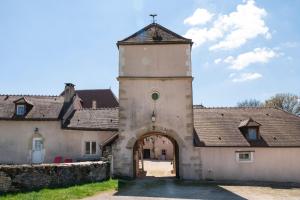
{"x":153,"y":17}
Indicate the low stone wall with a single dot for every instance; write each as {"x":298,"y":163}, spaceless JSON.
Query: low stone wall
{"x":32,"y":177}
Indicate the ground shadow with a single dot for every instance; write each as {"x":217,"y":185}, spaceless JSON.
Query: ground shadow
{"x":274,"y":185}
{"x":173,"y":188}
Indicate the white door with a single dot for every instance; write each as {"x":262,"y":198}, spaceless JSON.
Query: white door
{"x":37,"y":150}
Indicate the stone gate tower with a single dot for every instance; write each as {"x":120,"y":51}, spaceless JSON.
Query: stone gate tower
{"x":155,"y":96}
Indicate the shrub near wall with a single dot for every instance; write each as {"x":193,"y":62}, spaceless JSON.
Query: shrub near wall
{"x":32,"y":177}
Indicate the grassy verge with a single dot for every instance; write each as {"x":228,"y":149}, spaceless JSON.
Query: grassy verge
{"x":73,"y":192}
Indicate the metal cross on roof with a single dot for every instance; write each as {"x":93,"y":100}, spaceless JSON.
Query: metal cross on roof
{"x":153,"y":17}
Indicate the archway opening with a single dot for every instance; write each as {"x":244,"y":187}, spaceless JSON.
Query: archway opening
{"x":156,"y":155}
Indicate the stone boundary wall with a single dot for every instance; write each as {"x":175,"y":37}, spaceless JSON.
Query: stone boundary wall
{"x":32,"y":177}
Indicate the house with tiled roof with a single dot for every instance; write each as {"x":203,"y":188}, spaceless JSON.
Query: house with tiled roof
{"x":40,"y":129}
{"x":155,"y":101}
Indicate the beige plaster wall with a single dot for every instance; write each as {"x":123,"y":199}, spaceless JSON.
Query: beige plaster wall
{"x":16,"y":141}
{"x":269,"y":164}
{"x":166,"y":69}
{"x":149,"y":60}
{"x":158,"y":144}
{"x":174,"y":118}
{"x":171,"y":108}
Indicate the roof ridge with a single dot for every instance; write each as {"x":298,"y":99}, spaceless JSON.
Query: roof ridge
{"x":103,"y":108}
{"x":172,"y":32}
{"x":277,"y":108}
{"x":185,"y":40}
{"x":198,"y":106}
{"x":232,"y":107}
{"x":92,"y":89}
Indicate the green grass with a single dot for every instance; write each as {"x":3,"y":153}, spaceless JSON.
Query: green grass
{"x":73,"y":192}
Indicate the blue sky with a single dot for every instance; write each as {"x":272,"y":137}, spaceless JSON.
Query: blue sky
{"x":242,"y":50}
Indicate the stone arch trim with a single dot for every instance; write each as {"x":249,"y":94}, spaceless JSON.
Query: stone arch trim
{"x":158,"y":129}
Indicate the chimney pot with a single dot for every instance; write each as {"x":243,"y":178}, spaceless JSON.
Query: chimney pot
{"x":94,"y":104}
{"x":69,"y":91}
{"x":70,"y":84}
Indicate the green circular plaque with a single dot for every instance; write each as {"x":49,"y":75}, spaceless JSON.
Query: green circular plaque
{"x":155,"y":96}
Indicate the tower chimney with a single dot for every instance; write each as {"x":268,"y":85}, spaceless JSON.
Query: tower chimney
{"x":94,"y":104}
{"x":69,"y":91}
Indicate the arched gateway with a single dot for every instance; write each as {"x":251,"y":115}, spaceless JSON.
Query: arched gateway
{"x":139,"y":154}
{"x":155,"y":97}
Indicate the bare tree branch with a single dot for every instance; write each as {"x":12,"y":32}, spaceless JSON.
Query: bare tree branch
{"x":285,"y":101}
{"x":250,"y":103}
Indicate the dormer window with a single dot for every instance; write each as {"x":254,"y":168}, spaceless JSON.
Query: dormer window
{"x":22,"y":107}
{"x":250,"y":129}
{"x":252,"y":134}
{"x":21,"y":110}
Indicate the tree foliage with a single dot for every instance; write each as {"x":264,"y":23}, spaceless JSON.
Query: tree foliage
{"x":250,"y":103}
{"x":285,"y":101}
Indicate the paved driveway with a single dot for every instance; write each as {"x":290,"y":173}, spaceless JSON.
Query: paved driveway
{"x":158,"y":168}
{"x":144,"y":189}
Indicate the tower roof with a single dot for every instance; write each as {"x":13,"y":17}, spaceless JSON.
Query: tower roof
{"x":154,"y":34}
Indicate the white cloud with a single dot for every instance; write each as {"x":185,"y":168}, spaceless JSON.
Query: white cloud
{"x":258,"y":55}
{"x":217,"y":61}
{"x":200,"y":16}
{"x":202,"y":35}
{"x":228,"y":59}
{"x":246,"y":77}
{"x":243,"y":24}
{"x":234,"y":29}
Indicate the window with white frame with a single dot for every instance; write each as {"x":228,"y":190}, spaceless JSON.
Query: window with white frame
{"x":90,"y":148}
{"x":244,"y":156}
{"x":21,"y":109}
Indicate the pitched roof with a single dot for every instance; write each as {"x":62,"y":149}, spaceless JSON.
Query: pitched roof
{"x":97,"y":119}
{"x":55,"y":108}
{"x":43,"y":107}
{"x":154,"y":34}
{"x":248,"y":122}
{"x":23,"y":100}
{"x":110,"y":140}
{"x":104,"y":98}
{"x":220,"y":126}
